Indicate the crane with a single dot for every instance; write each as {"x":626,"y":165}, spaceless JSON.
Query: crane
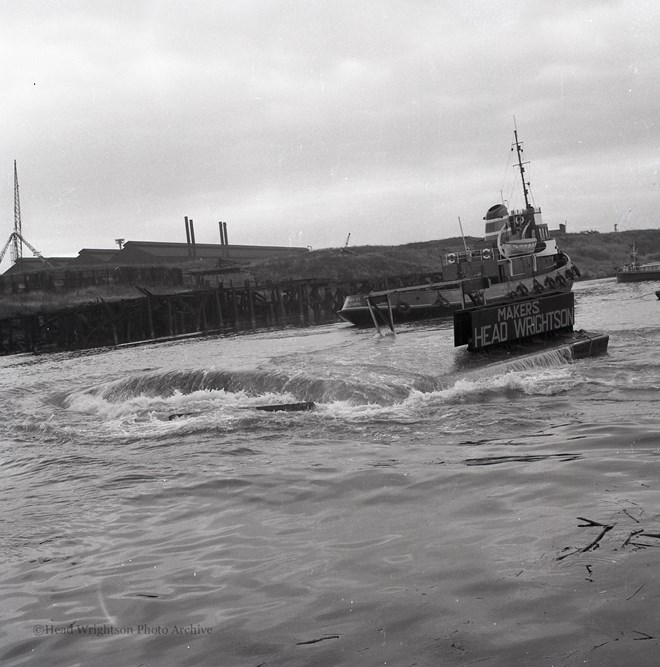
{"x":17,"y":238}
{"x":345,"y":248}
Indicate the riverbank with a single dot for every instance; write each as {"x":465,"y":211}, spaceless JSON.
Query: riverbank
{"x":597,"y":255}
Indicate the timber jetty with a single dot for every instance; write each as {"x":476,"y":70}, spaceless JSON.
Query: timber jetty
{"x":156,"y":317}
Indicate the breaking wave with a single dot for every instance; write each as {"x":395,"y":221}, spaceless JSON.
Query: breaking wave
{"x":190,"y":393}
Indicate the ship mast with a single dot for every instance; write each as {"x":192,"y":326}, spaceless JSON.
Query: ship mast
{"x":521,"y":167}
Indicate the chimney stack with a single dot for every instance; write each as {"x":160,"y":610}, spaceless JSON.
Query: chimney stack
{"x":192,"y":239}
{"x":187,"y":235}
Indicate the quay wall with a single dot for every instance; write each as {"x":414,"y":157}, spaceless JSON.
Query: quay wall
{"x":223,"y":309}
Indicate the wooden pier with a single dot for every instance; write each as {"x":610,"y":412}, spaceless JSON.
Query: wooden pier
{"x":231,"y":308}
{"x":150,"y":316}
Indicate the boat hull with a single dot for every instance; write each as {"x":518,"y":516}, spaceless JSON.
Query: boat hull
{"x":438,"y":301}
{"x":359,"y":315}
{"x":637,"y":276}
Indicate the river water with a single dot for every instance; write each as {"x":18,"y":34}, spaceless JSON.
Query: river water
{"x":433,"y":509}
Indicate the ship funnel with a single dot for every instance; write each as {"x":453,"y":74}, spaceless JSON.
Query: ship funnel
{"x":497,"y":211}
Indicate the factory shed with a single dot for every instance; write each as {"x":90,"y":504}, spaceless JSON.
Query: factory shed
{"x":156,"y":252}
{"x":34,"y":264}
{"x":93,"y":257}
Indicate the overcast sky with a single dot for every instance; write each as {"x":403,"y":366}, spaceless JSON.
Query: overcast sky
{"x":299,"y":121}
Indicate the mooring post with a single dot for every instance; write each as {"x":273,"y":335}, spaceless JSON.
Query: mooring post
{"x":205,"y":323}
{"x":115,"y":337}
{"x":170,"y":317}
{"x":150,"y":318}
{"x":301,"y":306}
{"x":248,"y":290}
{"x":218,"y":306}
{"x":280,"y":303}
{"x":271,"y":306}
{"x":234,"y":304}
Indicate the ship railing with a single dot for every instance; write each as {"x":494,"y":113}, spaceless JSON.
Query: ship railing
{"x":416,"y":288}
{"x":374,"y":299}
{"x":479,"y":254}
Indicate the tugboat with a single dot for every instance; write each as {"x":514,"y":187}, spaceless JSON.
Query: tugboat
{"x":635,"y":272}
{"x":516,"y":258}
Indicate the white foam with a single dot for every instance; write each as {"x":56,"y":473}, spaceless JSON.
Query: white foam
{"x":546,"y":374}
{"x":155,"y":407}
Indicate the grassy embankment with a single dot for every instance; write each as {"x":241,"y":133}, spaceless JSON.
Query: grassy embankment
{"x":597,"y":256}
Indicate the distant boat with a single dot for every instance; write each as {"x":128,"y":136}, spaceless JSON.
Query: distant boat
{"x":517,"y":257}
{"x":635,"y":272}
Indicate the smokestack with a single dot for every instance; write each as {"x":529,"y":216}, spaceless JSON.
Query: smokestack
{"x":187,"y":235}
{"x":224,"y":225}
{"x":192,"y":239}
{"x":222,"y":235}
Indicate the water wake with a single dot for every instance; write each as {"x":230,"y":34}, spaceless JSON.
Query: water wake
{"x":357,"y":394}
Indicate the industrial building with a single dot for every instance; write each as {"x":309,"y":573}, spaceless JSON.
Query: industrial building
{"x":153,"y":253}
{"x":138,"y":253}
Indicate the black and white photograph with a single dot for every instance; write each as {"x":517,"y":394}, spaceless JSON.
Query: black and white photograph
{"x":329,"y":333}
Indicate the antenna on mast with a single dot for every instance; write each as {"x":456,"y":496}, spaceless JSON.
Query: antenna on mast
{"x":520,"y":164}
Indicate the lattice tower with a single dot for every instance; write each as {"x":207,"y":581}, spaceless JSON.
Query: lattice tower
{"x":17,"y":242}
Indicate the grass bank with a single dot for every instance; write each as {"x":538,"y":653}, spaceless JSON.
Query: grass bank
{"x":596,"y":254}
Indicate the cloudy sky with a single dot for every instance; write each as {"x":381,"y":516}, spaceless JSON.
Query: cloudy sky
{"x":300,"y":121}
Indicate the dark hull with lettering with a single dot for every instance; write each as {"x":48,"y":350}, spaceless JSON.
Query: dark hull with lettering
{"x":359,"y":315}
{"x":442,"y":300}
{"x":488,"y":326}
{"x":633,"y":276}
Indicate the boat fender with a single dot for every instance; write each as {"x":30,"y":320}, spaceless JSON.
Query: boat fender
{"x":451,"y":258}
{"x":477,"y":298}
{"x":549,"y":282}
{"x":523,"y":289}
{"x":486,"y":253}
{"x":569,"y":274}
{"x":537,"y":286}
{"x":576,"y":271}
{"x":403,"y":308}
{"x":561,"y":281}
{"x":513,"y":295}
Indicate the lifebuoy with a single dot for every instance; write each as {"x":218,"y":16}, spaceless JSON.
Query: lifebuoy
{"x":519,"y":219}
{"x":486,"y":253}
{"x":523,"y":289}
{"x":549,"y":282}
{"x":403,"y":308}
{"x":561,"y":281}
{"x":451,"y":258}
